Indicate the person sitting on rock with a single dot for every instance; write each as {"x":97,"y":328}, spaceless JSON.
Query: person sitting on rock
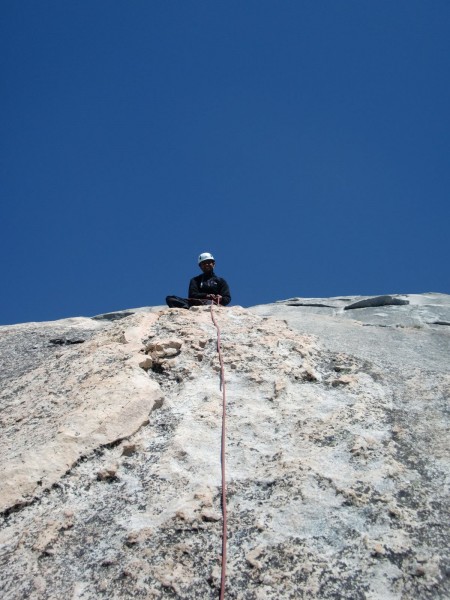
{"x":207,"y":288}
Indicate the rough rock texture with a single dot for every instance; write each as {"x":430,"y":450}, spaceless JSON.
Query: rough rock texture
{"x":337,"y":452}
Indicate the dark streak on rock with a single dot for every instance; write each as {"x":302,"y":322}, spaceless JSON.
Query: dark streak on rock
{"x":316,"y":305}
{"x":113,"y":316}
{"x":65,"y":341}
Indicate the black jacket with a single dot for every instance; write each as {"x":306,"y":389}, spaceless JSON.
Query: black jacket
{"x":202,"y":285}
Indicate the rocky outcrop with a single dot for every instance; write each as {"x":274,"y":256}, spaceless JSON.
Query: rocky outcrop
{"x":337,"y":452}
{"x":67,"y":402}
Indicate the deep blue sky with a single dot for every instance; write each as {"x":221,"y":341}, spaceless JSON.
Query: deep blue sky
{"x":306,"y":143}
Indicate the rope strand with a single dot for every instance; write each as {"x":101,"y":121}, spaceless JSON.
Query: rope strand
{"x":224,"y":488}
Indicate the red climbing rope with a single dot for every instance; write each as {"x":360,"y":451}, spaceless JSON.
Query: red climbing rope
{"x":224,"y":487}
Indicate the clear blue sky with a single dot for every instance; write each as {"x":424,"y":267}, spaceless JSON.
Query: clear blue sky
{"x":305,"y":143}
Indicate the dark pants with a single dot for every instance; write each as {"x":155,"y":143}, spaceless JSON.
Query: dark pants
{"x":177,"y":302}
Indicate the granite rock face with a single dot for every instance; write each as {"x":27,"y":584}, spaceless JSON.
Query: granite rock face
{"x":337,"y":452}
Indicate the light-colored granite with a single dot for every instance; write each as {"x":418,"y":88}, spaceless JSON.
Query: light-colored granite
{"x":337,"y":452}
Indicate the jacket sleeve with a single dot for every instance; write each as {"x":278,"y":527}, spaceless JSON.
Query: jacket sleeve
{"x":224,"y":292}
{"x":194,"y":291}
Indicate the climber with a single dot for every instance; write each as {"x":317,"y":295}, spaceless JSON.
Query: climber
{"x":207,"y":288}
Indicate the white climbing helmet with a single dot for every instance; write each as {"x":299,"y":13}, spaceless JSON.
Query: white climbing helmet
{"x":205,"y":256}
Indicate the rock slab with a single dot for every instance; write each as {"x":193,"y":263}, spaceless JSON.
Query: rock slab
{"x":337,"y":452}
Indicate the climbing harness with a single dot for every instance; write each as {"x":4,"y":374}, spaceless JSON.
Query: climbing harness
{"x":224,"y":489}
